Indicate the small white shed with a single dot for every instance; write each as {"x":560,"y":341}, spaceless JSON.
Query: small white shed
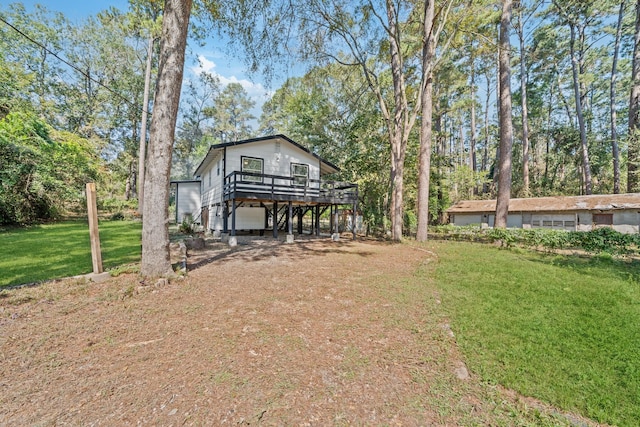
{"x":187,"y":203}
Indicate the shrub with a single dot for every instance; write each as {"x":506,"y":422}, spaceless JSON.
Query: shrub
{"x":118,"y":216}
{"x":603,"y":240}
{"x":186,"y":226}
{"x":506,"y":237}
{"x":410,"y":223}
{"x":41,"y":170}
{"x":600,"y":240}
{"x":115,"y":204}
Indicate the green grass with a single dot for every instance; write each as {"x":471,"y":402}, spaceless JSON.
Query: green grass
{"x":51,"y":251}
{"x":562,"y":329}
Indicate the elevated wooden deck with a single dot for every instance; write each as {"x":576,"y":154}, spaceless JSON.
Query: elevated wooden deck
{"x":246,"y":186}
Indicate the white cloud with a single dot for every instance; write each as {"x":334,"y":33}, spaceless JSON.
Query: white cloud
{"x":204,"y":65}
{"x":256,"y":91}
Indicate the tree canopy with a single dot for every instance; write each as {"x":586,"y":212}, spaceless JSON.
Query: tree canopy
{"x":83,"y":82}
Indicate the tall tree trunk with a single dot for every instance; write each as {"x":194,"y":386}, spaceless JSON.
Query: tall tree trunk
{"x":462,"y":160}
{"x":426,"y":131}
{"x":398,"y":132}
{"x":485,"y":149}
{"x":496,"y":168}
{"x":127,"y":188}
{"x":155,"y":223}
{"x":565,"y":103}
{"x":545,"y":178}
{"x":575,"y":64}
{"x":506,"y":132}
{"x":472,"y":135}
{"x":612,"y":99}
{"x":525,"y":111}
{"x":142,"y":149}
{"x":633,"y":159}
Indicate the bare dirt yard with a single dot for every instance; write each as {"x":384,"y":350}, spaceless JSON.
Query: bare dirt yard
{"x":312,"y":333}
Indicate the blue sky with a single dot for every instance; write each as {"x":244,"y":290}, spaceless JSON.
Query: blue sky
{"x":76,"y":11}
{"x":210,"y":58}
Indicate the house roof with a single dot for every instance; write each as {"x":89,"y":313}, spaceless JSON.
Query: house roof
{"x":326,"y":167}
{"x":553,"y":204}
{"x":185,"y":181}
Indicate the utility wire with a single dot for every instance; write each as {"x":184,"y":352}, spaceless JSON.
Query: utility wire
{"x":26,"y":36}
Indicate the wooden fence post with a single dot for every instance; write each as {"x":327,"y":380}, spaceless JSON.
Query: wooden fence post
{"x":92,"y":211}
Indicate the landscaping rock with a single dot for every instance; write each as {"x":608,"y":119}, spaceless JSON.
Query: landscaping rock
{"x":162,"y":282}
{"x":195,"y":243}
{"x":461,"y":372}
{"x":98,"y":277}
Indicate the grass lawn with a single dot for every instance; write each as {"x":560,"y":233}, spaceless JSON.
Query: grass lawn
{"x":564,"y":329}
{"x":62,"y":249}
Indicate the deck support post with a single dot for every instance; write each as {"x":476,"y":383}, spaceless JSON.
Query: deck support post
{"x":317,"y":220}
{"x":233,"y":240}
{"x":355,"y":217}
{"x":300,"y":215}
{"x":290,"y":223}
{"x":275,"y":220}
{"x":335,"y":227}
{"x":233,"y":217}
{"x":336,"y":224}
{"x":225,"y":217}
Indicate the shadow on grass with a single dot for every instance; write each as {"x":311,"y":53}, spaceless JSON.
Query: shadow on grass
{"x":253,"y":251}
{"x":624,"y":269}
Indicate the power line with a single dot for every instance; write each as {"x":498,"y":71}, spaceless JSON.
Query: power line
{"x":50,"y":52}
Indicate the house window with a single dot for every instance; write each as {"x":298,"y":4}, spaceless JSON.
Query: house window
{"x":603,"y":219}
{"x":300,"y":174}
{"x":252,"y":165}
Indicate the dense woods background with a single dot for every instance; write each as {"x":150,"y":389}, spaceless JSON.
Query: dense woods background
{"x":71,"y":98}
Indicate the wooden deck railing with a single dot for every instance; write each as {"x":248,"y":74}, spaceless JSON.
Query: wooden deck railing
{"x":277,"y":187}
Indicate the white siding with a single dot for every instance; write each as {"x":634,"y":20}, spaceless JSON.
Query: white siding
{"x":249,"y":218}
{"x":215,"y":218}
{"x":467,"y":219}
{"x":626,"y":222}
{"x":513,"y":220}
{"x":277,"y":158}
{"x":188,"y":201}
{"x":212,"y":181}
{"x":584,"y":221}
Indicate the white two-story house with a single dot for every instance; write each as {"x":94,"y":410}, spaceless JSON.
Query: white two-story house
{"x":267,"y":183}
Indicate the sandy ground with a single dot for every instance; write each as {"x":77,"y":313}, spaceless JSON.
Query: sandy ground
{"x":312,"y":333}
